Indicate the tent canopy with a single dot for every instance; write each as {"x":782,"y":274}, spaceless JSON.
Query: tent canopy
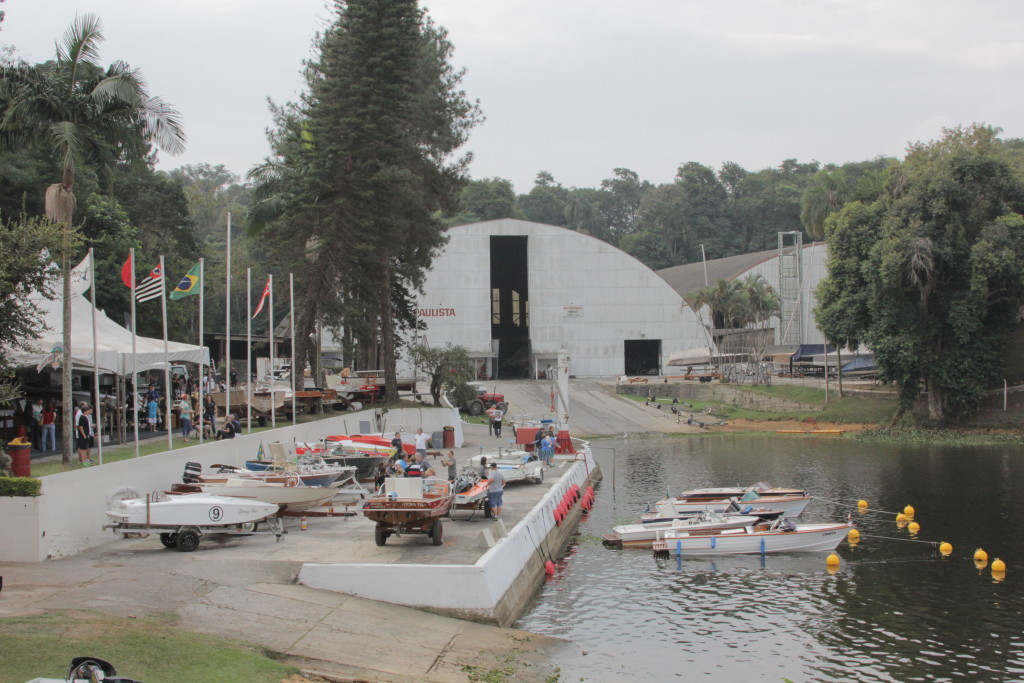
{"x":113,"y":342}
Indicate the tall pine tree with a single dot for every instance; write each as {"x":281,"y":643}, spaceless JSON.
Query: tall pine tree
{"x":364,"y":169}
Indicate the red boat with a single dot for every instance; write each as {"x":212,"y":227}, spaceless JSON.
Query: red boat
{"x":409,"y":505}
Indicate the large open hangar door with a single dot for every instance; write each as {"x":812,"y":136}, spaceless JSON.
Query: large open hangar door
{"x":642,"y":356}
{"x":510,"y":304}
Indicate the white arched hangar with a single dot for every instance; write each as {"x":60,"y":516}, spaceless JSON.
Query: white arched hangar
{"x":515,"y":292}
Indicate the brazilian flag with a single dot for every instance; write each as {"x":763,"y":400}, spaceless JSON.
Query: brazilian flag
{"x":189,"y":284}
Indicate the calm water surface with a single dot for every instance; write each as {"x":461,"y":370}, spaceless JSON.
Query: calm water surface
{"x":895,"y":611}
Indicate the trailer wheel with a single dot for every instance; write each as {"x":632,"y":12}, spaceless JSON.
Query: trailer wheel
{"x":380,"y":536}
{"x":437,"y":532}
{"x":539,"y":479}
{"x":169,"y":540}
{"x":487,"y":508}
{"x":188,"y":540}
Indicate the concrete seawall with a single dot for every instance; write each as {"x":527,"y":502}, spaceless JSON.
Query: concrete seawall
{"x":496,"y":589}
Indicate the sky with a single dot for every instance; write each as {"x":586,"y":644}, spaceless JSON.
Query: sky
{"x":579,"y":88}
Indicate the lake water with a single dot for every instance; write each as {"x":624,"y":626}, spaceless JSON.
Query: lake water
{"x":895,"y":611}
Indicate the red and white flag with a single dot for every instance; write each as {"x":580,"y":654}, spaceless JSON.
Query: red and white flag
{"x":263,"y":298}
{"x":152,"y":287}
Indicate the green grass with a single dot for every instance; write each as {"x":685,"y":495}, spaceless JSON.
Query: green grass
{"x":151,"y":649}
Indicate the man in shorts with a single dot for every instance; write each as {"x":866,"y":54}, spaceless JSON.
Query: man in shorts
{"x":495,"y":489}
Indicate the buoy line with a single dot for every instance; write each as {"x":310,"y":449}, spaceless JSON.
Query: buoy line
{"x":857,"y":507}
{"x":897,"y":538}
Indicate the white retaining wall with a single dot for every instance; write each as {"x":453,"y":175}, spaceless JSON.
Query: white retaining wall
{"x":477,"y":587}
{"x":69,"y":515}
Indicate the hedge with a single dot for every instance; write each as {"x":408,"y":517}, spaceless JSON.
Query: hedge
{"x":20,"y":486}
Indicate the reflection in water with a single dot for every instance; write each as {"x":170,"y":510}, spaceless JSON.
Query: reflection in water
{"x":895,"y":611}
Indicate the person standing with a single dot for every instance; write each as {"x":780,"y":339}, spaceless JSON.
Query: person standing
{"x":152,"y":412}
{"x":82,"y":429}
{"x":449,"y":462}
{"x":422,"y":440}
{"x":49,"y":418}
{"x":185,"y":409}
{"x":35,"y":434}
{"x":495,"y":490}
{"x":547,"y":449}
{"x":496,"y":418}
{"x":490,"y":419}
{"x":396,"y":443}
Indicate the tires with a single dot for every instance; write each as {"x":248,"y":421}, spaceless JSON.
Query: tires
{"x":475,"y":407}
{"x":437,"y":532}
{"x":539,"y":479}
{"x":487,"y":508}
{"x":188,"y":540}
{"x":380,"y":536}
{"x":169,"y":540}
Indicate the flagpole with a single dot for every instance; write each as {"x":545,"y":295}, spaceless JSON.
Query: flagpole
{"x":167,"y":359}
{"x":135,"y":371}
{"x":291,"y":296}
{"x":227,"y":324}
{"x":273,"y":412}
{"x":248,"y":348}
{"x":95,"y":360}
{"x":202,"y":345}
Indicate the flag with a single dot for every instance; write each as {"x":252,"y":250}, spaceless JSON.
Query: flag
{"x":128,"y":272}
{"x":150,"y":288}
{"x":189,"y":284}
{"x":263,"y":298}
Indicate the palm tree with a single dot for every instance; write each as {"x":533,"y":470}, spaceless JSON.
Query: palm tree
{"x":89,"y":117}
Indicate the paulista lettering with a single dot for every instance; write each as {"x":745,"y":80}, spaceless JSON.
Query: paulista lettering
{"x":436,"y":312}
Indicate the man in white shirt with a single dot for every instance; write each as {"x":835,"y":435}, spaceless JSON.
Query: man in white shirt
{"x":421,"y":442}
{"x":496,"y":418}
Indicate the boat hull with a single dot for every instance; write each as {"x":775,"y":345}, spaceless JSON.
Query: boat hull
{"x":291,"y":498}
{"x":644,"y":535}
{"x":753,"y":540}
{"x":197,"y":509}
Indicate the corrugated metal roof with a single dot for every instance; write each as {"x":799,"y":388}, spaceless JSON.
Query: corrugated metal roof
{"x":689,"y":277}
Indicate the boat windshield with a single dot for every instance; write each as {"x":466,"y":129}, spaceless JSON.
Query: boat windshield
{"x":749,"y":496}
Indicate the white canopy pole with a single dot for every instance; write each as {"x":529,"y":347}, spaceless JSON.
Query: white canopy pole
{"x":135,"y":371}
{"x":95,"y":360}
{"x":168,"y":392}
{"x":273,"y":398}
{"x":248,"y":347}
{"x":291,"y":296}
{"x":227,"y":323}
{"x":202,"y":365}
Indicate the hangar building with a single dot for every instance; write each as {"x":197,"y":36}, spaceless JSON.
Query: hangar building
{"x":514,"y":292}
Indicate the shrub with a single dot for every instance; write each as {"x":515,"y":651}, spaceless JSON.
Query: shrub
{"x":20,"y":486}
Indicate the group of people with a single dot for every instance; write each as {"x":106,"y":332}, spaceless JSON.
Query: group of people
{"x":544,"y":444}
{"x":40,"y":420}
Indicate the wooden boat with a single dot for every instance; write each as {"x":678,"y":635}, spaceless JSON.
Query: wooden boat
{"x":313,"y":472}
{"x":761,"y":488}
{"x":293,"y":496}
{"x":409,"y":505}
{"x":671,"y":508}
{"x":644,"y":535}
{"x":783,"y":536}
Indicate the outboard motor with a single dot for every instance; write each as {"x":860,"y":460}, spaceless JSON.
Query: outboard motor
{"x":193,"y":471}
{"x":88,"y":670}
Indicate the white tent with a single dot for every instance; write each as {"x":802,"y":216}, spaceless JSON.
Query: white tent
{"x":113,"y":342}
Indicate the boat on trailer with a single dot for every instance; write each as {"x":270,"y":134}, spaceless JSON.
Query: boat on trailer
{"x":409,"y":505}
{"x":782,"y":536}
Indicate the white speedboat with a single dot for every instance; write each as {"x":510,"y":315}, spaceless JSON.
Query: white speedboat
{"x":761,"y":488}
{"x":515,"y":465}
{"x":783,"y":536}
{"x":196,"y":509}
{"x":643,"y":535}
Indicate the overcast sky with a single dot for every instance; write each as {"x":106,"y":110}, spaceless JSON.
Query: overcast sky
{"x":580,"y":87}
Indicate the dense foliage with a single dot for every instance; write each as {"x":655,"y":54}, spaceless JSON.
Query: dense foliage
{"x":931,"y":275}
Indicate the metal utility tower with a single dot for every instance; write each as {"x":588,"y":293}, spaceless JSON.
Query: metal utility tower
{"x":790,"y":287}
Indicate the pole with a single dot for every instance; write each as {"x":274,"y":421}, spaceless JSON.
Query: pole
{"x":273,"y":398}
{"x":227,"y":323}
{"x":248,"y":348}
{"x":167,"y":359}
{"x":826,"y":372}
{"x":95,"y":360}
{"x":202,"y":344}
{"x":704,"y":259}
{"x":291,"y":297}
{"x":135,"y":369}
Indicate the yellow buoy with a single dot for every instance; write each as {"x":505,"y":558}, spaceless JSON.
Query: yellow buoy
{"x":998,"y":566}
{"x":832,"y":560}
{"x":853,"y":537}
{"x":998,"y":577}
{"x":862,"y":504}
{"x":909,"y":511}
{"x":832,"y":569}
{"x":980,"y":555}
{"x":946,"y":549}
{"x":901,"y":518}
{"x":913,"y":528}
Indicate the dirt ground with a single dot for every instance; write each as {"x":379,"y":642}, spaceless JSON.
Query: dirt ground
{"x":809,"y":424}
